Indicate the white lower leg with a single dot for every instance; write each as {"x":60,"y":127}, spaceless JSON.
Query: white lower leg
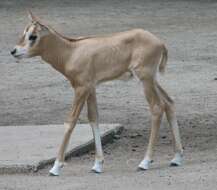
{"x":177,"y":160}
{"x":98,"y":164}
{"x":156,"y":120}
{"x":145,"y":164}
{"x":55,"y":170}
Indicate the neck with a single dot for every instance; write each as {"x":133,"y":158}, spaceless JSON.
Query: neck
{"x":56,"y":51}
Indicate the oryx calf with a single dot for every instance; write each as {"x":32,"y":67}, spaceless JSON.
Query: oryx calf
{"x":88,"y":61}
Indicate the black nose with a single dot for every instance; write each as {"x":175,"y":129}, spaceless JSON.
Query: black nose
{"x":13,"y":52}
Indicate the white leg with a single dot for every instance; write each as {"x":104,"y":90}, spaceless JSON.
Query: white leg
{"x":93,"y":119}
{"x":156,"y":108}
{"x":157,"y":114}
{"x":80,"y":97}
{"x":171,"y":117}
{"x":55,"y":170}
{"x":98,"y":166}
{"x":145,"y":164}
{"x":99,"y":159}
{"x":177,"y":160}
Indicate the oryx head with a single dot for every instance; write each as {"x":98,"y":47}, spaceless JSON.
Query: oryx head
{"x":29,"y":43}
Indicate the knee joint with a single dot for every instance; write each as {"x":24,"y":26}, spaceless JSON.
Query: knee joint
{"x":157,"y":110}
{"x":92,"y":118}
{"x":68,"y":127}
{"x":170,"y":107}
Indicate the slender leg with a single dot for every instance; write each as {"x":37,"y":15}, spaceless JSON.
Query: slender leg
{"x":171,"y":117}
{"x":81,"y":94}
{"x":93,"y":119}
{"x":156,"y":108}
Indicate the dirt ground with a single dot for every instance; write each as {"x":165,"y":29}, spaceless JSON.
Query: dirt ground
{"x":33,"y":93}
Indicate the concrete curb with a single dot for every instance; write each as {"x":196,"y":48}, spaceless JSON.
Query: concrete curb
{"x":106,"y":137}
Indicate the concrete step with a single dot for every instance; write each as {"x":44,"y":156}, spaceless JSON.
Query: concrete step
{"x":30,"y":148}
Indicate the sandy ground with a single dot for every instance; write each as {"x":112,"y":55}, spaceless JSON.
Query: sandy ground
{"x":36,"y":94}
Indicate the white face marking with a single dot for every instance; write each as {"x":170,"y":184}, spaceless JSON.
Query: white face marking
{"x":24,"y":32}
{"x":29,"y":41}
{"x":22,"y":51}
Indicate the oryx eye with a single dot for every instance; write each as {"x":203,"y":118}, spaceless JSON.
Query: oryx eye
{"x":32,"y":37}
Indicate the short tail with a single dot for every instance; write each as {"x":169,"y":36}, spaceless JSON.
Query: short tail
{"x":163,"y":60}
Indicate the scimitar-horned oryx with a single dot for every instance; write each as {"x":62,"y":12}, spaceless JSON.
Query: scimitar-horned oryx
{"x":89,"y":61}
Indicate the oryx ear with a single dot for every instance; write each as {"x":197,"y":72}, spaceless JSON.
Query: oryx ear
{"x":31,"y":16}
{"x":36,"y":20}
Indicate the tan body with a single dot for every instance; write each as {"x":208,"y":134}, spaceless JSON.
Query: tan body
{"x":88,"y":61}
{"x":97,"y":59}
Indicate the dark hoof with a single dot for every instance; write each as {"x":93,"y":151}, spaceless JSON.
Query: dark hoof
{"x":53,"y":175}
{"x":141,"y":169}
{"x":94,"y":171}
{"x":172,"y":164}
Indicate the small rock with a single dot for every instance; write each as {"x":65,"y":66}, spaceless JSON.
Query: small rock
{"x":164,"y":137}
{"x":134,"y":135}
{"x":117,"y":137}
{"x":135,"y":146}
{"x":106,"y":152}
